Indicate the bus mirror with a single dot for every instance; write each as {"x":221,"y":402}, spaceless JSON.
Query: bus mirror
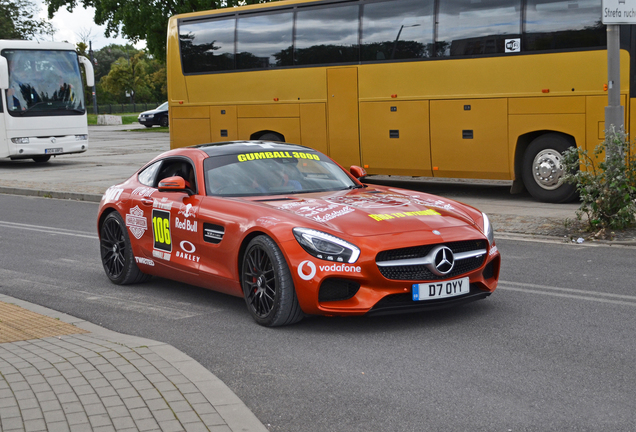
{"x":4,"y":73}
{"x":357,"y":172}
{"x":88,"y":67}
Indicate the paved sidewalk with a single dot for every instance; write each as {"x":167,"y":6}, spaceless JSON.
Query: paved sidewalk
{"x":63,"y":374}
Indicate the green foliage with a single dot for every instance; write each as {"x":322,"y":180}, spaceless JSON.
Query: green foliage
{"x":17,"y":20}
{"x":142,"y":20}
{"x":120,"y":69}
{"x":607,"y":186}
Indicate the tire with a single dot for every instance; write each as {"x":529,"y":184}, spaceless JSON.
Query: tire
{"x":268,"y":287}
{"x":41,"y":159}
{"x":163,"y":122}
{"x":148,"y":126}
{"x":270,"y":136}
{"x":542,"y":169}
{"x":116,"y":252}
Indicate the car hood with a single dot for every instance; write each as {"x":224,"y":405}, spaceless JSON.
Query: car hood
{"x":373,"y":211}
{"x":154,"y":111}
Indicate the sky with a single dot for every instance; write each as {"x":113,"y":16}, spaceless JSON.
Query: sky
{"x":69,"y":25}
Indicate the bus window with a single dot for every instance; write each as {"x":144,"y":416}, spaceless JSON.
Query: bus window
{"x":473,"y":28}
{"x":207,"y":46}
{"x":555,"y":25}
{"x":396,"y":30}
{"x":264,"y":41}
{"x":327,"y":35}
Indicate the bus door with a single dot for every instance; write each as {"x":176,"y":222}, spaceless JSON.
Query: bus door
{"x":342,"y":115}
{"x":4,"y":144}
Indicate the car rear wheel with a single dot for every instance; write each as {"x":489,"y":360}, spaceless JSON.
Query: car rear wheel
{"x":543,"y":170}
{"x":267,"y":284}
{"x":116,"y":251}
{"x":164,"y":121}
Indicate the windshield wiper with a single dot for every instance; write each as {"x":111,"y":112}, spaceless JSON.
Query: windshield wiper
{"x":30,"y":108}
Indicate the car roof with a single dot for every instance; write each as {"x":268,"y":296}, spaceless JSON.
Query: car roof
{"x":238,"y":147}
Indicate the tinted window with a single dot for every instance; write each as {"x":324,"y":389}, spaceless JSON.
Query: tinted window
{"x":147,"y":176}
{"x":563,"y":24}
{"x":327,"y":35}
{"x":397,"y":30}
{"x":207,"y":46}
{"x":264,"y":41}
{"x":477,"y":26}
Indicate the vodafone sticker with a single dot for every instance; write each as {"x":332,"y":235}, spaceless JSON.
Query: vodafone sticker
{"x":312,"y":270}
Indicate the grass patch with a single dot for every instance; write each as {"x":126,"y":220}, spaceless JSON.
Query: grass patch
{"x":152,"y":129}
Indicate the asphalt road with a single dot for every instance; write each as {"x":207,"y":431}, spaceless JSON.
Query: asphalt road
{"x":552,"y":349}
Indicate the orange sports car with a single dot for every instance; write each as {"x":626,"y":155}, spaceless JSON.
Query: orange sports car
{"x":295,"y":234}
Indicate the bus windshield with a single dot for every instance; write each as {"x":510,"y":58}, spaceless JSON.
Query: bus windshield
{"x":44,"y":82}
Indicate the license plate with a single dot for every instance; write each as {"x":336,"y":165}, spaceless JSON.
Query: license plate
{"x":439,"y":290}
{"x":53,"y":150}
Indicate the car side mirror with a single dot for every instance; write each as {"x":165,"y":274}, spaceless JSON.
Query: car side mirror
{"x":357,"y":172}
{"x":172,"y":184}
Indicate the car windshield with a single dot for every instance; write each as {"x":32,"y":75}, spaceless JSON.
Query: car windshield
{"x":163,"y":106}
{"x":273,"y":173}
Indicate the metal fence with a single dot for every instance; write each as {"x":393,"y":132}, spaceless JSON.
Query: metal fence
{"x":123,"y":108}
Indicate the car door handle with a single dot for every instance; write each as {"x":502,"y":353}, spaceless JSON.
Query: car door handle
{"x":147,"y":201}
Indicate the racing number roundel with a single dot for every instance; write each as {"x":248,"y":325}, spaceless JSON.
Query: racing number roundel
{"x":161,"y":230}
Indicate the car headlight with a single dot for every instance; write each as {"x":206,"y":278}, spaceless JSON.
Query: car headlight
{"x":325,"y":246}
{"x":150,"y":115}
{"x":488,"y":230}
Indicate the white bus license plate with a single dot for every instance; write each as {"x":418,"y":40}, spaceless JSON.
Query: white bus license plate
{"x":439,"y":290}
{"x":54,"y":150}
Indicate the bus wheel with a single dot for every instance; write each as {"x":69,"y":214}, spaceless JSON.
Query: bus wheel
{"x":270,"y":136}
{"x":41,"y":159}
{"x":543,"y":170}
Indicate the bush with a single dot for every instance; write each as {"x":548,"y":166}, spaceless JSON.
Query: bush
{"x":607,"y":186}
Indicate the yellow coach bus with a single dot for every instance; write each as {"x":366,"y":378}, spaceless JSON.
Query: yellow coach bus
{"x":487,"y":89}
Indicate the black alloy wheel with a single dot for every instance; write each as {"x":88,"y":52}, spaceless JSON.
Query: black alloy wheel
{"x":267,"y":284}
{"x":116,"y":252}
{"x":164,"y":121}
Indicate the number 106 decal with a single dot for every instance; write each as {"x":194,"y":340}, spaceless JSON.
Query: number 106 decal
{"x":161,"y":230}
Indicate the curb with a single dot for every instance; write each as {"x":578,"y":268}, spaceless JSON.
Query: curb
{"x":234,"y":412}
{"x":89,"y":197}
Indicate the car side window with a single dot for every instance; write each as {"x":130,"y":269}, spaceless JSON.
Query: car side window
{"x":147,"y":176}
{"x":178,"y":167}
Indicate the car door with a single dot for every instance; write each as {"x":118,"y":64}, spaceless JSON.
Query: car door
{"x":173,"y":229}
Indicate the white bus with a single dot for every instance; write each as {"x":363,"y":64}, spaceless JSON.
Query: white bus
{"x":42,"y":108}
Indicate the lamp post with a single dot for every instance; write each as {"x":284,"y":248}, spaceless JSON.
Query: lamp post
{"x":90,"y":53}
{"x":398,"y":37}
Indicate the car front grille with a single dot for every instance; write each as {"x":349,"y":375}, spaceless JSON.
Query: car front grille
{"x":420,"y":272}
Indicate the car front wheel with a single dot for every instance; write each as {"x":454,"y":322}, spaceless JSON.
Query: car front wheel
{"x":267,"y":284}
{"x":164,"y":121}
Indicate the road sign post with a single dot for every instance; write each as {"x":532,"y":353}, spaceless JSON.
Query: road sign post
{"x":615,"y":13}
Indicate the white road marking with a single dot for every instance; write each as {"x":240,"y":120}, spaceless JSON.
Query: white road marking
{"x":48,"y":230}
{"x":597,"y":296}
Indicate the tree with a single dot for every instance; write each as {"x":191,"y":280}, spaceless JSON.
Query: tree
{"x":143,"y":78}
{"x":17,"y":20}
{"x":142,"y":19}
